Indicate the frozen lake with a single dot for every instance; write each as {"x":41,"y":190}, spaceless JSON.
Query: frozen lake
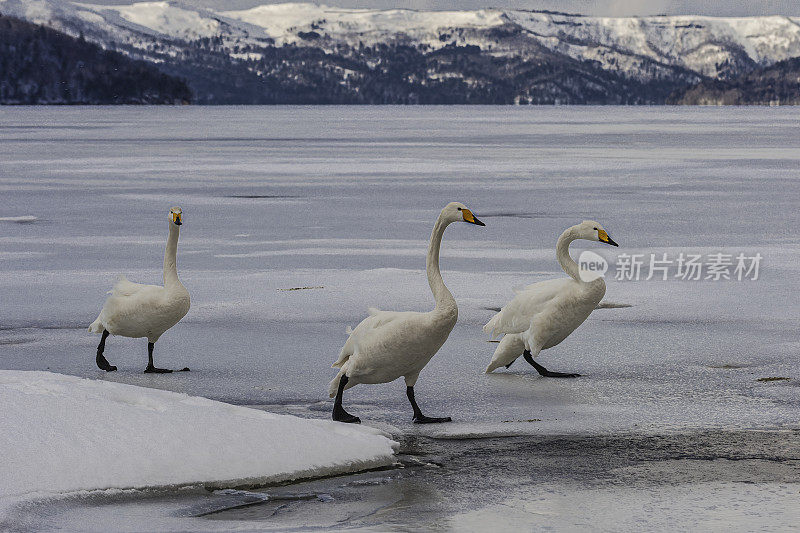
{"x":342,"y":200}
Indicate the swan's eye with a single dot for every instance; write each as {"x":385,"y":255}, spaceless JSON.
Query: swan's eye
{"x":459,"y":209}
{"x":596,"y":229}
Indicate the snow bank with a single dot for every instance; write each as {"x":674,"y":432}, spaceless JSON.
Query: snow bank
{"x":63,"y":434}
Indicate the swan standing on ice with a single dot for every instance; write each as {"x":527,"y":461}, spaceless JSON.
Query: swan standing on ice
{"x":544,"y":314}
{"x":390,"y":344}
{"x":135,"y":310}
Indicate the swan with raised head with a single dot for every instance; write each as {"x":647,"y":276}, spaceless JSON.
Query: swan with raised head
{"x":136,"y":311}
{"x":389,"y":344}
{"x":545,"y":313}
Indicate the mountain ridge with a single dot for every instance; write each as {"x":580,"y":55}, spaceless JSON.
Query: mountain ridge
{"x":649,"y":57}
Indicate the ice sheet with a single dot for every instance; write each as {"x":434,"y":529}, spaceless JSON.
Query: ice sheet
{"x":344,"y":199}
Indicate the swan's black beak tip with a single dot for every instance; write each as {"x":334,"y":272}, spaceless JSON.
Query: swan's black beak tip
{"x":611,"y":242}
{"x":478,"y":222}
{"x":178,"y":223}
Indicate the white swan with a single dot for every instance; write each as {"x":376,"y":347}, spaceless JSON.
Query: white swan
{"x":388,"y":344}
{"x":544,"y":314}
{"x":135,"y":310}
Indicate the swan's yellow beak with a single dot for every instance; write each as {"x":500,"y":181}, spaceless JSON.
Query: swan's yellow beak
{"x":176,"y":218}
{"x":469,"y":217}
{"x":603,"y":237}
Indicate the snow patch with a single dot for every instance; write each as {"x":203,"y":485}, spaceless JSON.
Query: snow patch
{"x":26,"y":219}
{"x":65,"y":434}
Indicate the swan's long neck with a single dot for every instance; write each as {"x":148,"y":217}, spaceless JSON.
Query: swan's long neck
{"x":444,"y":300}
{"x":171,"y":257}
{"x":562,"y":254}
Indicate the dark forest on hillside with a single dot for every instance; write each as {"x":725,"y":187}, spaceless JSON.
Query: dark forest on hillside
{"x":39,"y":65}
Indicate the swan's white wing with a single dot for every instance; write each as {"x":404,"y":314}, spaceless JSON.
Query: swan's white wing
{"x":516,"y":315}
{"x":518,"y":289}
{"x":378,"y":319}
{"x":539,"y":285}
{"x":507,"y":351}
{"x":134,"y":309}
{"x":375,"y":321}
{"x":123,"y":287}
{"x":390,"y":344}
{"x":126,"y":298}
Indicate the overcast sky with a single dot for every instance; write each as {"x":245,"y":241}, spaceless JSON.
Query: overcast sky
{"x":587,"y":7}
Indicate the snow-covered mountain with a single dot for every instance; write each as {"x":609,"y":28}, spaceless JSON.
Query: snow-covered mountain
{"x":678,"y":49}
{"x":700,"y":44}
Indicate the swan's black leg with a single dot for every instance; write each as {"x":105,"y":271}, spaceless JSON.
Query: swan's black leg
{"x":150,"y":368}
{"x":543,"y":371}
{"x":419,"y":418}
{"x":339,"y":414}
{"x":102,"y":362}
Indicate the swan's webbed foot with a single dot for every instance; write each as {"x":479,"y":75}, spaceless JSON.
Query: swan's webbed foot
{"x":543,"y":371}
{"x":339,"y":414}
{"x":549,"y":374}
{"x":153,"y":370}
{"x":422,"y":419}
{"x":419,"y":418}
{"x":102,"y":362}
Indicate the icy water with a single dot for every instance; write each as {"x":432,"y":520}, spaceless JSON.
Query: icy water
{"x":675,"y":413}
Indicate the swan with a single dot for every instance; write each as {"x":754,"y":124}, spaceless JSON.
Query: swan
{"x":387,"y":344}
{"x":545,"y":313}
{"x":135,"y":310}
